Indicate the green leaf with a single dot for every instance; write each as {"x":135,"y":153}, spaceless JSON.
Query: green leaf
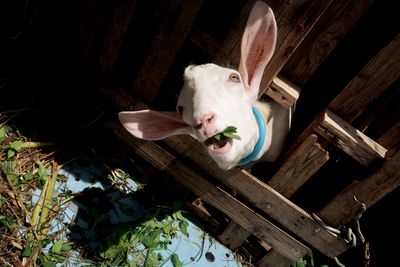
{"x":7,"y":221}
{"x":56,"y":248}
{"x":175,"y":260}
{"x":232,"y":136}
{"x":179,"y":215}
{"x":48,"y":264}
{"x":152,"y":260}
{"x":230,"y":129}
{"x":300,"y":263}
{"x":42,"y":171}
{"x":217,"y":137}
{"x":27,"y":251}
{"x":67,"y":246}
{"x":183,"y":225}
{"x":2,"y":133}
{"x":17,"y":145}
{"x":28,"y":176}
{"x":10,"y":153}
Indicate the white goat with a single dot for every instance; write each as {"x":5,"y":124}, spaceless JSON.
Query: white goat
{"x":214,"y":98}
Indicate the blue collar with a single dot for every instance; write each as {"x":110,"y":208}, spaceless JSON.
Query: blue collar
{"x":262,"y":132}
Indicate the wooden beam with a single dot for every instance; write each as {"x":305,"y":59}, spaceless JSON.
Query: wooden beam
{"x":234,"y":235}
{"x":246,"y":217}
{"x":294,"y":23}
{"x":380,"y":72}
{"x":120,"y":19}
{"x":273,"y":259}
{"x":337,"y":20}
{"x":390,"y":139}
{"x":175,"y":27}
{"x":263,"y":197}
{"x":342,"y":209}
{"x":197,"y":207}
{"x":204,"y":41}
{"x":229,"y":52}
{"x":296,"y":170}
{"x":350,"y":140}
{"x":299,"y":167}
{"x":283,"y":91}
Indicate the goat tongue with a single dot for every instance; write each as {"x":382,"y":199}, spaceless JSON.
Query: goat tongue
{"x":217,"y":144}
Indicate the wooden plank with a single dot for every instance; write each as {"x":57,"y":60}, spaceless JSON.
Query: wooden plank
{"x":120,"y":19}
{"x":391,"y":140}
{"x":283,"y":91}
{"x":336,"y":21}
{"x":246,"y":217}
{"x":234,"y":235}
{"x":229,"y":51}
{"x":350,"y":140}
{"x":263,"y":197}
{"x":258,"y":193}
{"x":175,"y":27}
{"x":294,"y":23}
{"x":204,"y":41}
{"x":273,"y":259}
{"x":197,"y":207}
{"x":379,"y":73}
{"x":299,"y":167}
{"x":296,"y":170}
{"x":342,"y":209}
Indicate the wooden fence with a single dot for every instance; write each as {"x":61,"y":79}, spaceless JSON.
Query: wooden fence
{"x":333,"y":62}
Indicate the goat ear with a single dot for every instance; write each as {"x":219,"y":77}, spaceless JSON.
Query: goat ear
{"x":258,"y":45}
{"x":153,"y":125}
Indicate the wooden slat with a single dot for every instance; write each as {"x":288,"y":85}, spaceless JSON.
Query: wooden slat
{"x":299,"y":167}
{"x":234,"y":235}
{"x":391,"y":139}
{"x":229,"y":52}
{"x":175,"y":27}
{"x":115,"y":34}
{"x":204,"y":41}
{"x":197,"y":207}
{"x":294,"y":23}
{"x":350,"y":140}
{"x":283,"y":91}
{"x":247,"y":218}
{"x":273,"y":259}
{"x":342,"y":209}
{"x":262,"y":196}
{"x":337,"y":20}
{"x":369,"y":83}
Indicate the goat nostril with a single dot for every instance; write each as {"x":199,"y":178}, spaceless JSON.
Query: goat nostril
{"x":198,"y":126}
{"x":209,"y":119}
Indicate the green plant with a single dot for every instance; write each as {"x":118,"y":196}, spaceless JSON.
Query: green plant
{"x":228,"y":133}
{"x":139,"y":246}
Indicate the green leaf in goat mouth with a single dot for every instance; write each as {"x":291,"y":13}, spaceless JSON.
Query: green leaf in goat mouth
{"x":228,"y":133}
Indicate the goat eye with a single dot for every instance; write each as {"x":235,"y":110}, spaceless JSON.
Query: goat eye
{"x":234,"y":77}
{"x":180,"y":110}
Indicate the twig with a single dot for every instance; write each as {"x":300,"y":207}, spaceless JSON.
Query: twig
{"x":15,"y":195}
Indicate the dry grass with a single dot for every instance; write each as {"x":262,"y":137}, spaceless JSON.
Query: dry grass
{"x":15,"y":196}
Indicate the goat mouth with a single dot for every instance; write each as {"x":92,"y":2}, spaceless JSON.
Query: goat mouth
{"x":218,"y":146}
